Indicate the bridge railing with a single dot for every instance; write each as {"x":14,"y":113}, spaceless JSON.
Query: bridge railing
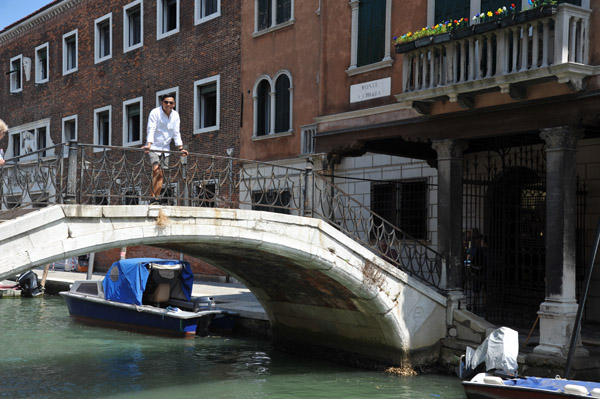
{"x":108,"y":175}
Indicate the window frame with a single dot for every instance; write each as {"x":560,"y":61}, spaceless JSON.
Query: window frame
{"x":387,"y":60}
{"x":273,"y":25}
{"x":28,"y":127}
{"x":65,"y":49}
{"x":216,"y":80}
{"x":268,"y":109}
{"x":160,"y":34}
{"x":99,"y":39}
{"x":38,"y":79}
{"x":290,"y":99}
{"x":65,"y":120}
{"x":13,"y":80}
{"x":126,"y":27}
{"x":170,"y":90}
{"x":198,"y":18}
{"x":126,"y":142}
{"x":97,"y":112}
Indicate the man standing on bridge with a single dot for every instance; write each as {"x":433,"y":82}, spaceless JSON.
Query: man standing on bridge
{"x":163,"y":126}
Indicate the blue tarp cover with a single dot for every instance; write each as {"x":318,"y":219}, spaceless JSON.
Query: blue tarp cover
{"x":549,"y":384}
{"x":133,"y":276}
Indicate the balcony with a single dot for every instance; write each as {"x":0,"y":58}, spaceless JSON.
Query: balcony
{"x":509,"y":57}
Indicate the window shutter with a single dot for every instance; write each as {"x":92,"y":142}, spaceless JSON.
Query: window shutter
{"x":446,"y":10}
{"x":371,"y":31}
{"x":282,"y":104}
{"x":262,"y":112}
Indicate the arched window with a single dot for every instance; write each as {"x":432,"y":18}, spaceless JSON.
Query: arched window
{"x":282,"y":104}
{"x":263,"y":108}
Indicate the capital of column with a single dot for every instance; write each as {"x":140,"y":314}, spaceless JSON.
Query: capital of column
{"x":354,"y":4}
{"x":561,"y":137}
{"x":448,"y":149}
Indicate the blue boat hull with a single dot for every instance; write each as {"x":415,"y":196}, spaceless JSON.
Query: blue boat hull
{"x":110,"y":314}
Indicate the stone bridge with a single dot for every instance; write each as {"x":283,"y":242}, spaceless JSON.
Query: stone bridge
{"x":317,"y":285}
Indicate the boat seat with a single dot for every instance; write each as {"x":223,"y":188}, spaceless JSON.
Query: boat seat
{"x":161,"y":293}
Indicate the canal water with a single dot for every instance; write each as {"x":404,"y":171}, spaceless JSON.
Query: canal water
{"x":44,"y":354}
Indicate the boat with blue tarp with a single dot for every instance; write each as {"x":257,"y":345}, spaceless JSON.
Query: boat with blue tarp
{"x":148,"y":295}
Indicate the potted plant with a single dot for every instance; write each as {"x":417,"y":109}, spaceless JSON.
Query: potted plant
{"x":541,"y":8}
{"x":485,"y":22}
{"x":461,"y":28}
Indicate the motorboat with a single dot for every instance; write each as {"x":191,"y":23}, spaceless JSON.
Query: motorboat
{"x":490,"y":372}
{"x":148,"y":295}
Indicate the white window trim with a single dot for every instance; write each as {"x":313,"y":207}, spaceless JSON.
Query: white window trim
{"x":64,"y":52}
{"x":205,"y":82}
{"x":64,"y":138}
{"x":386,"y":61}
{"x":96,"y":133}
{"x":98,"y":21}
{"x":159,"y":20}
{"x":20,"y":59}
{"x":161,"y":93}
{"x":38,"y":80}
{"x":291,"y":89}
{"x":198,"y":19}
{"x":139,"y":100}
{"x":274,"y":25}
{"x":17,"y":130}
{"x":126,"y":8}
{"x":255,"y":106}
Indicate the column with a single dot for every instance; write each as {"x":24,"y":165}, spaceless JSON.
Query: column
{"x":354,"y":39}
{"x":557,"y":312}
{"x":450,"y":168}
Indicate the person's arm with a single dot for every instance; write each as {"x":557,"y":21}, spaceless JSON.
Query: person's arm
{"x":150,"y":130}
{"x":177,"y":137}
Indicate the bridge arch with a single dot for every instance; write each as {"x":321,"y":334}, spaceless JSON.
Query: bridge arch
{"x":317,"y":285}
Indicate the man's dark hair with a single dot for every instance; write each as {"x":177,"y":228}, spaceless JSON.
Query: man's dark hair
{"x":167,"y":96}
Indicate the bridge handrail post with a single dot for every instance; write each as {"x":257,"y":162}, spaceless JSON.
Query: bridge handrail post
{"x":308,"y":188}
{"x":186,"y":193}
{"x":71,"y":195}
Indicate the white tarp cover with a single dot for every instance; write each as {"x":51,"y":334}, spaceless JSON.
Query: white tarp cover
{"x":499,"y":351}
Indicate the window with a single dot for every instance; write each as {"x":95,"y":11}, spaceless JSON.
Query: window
{"x":262,"y":107}
{"x":403,"y":204}
{"x":173,"y":91}
{"x":70,"y":52}
{"x":16,"y":74}
{"x":167,"y":18}
{"x":453,"y":9}
{"x":278,"y":201}
{"x":283,"y":10}
{"x":130,"y":195}
{"x":371,"y":35}
{"x":41,"y":64}
{"x":103,"y":38}
{"x":204,"y":193}
{"x":273,"y":108}
{"x":206,"y":104}
{"x":69,"y":131}
{"x":282,"y":104}
{"x":132,"y":121}
{"x":133,"y":25}
{"x":102,"y":126}
{"x":207,"y":10}
{"x":26,"y":139}
{"x":371,"y":31}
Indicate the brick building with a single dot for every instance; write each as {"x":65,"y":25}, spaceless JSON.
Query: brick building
{"x":93,"y":70}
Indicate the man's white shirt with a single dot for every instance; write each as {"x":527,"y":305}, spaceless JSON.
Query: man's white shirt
{"x":162,"y":129}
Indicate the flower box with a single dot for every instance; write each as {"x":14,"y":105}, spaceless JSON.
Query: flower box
{"x":441,"y":38}
{"x":485,"y":27}
{"x":520,"y":18}
{"x":423,"y":41}
{"x":541,"y":11}
{"x":462,"y":32}
{"x":507,"y":21}
{"x":405,"y":47}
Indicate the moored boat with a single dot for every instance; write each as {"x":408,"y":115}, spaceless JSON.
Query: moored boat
{"x":143,"y":294}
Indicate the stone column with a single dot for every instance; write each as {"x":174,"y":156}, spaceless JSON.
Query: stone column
{"x":354,"y":34}
{"x":450,"y":169}
{"x":557,"y":312}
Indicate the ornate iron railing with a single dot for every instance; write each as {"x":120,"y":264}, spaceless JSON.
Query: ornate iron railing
{"x":107,"y":175}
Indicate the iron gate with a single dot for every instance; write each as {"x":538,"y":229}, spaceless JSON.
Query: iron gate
{"x":504,"y":200}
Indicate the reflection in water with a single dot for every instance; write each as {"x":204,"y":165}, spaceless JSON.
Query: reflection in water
{"x":46,"y":355}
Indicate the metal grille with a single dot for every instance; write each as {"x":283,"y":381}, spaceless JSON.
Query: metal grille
{"x":504,"y":192}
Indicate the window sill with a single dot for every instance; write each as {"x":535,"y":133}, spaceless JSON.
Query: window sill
{"x":70,"y":71}
{"x":134,"y":47}
{"x":210,"y":17}
{"x":371,"y":67}
{"x":167,"y":34}
{"x":274,"y":28}
{"x":206,"y":130}
{"x":273,"y":135}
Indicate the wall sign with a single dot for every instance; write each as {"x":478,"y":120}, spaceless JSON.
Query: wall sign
{"x":370,"y":90}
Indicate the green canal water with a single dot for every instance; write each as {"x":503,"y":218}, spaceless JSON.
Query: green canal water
{"x":44,"y":354}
